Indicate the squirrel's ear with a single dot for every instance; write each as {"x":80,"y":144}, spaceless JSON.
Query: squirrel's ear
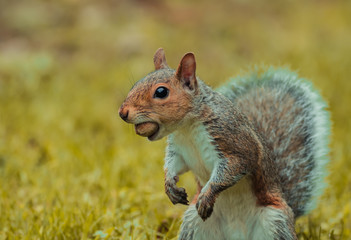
{"x":186,"y":71}
{"x":160,"y":59}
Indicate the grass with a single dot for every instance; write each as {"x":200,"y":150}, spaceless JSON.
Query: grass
{"x":71,"y":169}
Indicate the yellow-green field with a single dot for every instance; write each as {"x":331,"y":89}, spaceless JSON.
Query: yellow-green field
{"x":71,"y":169}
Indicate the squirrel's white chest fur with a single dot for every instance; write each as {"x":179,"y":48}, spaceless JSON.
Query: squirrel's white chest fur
{"x":194,"y":145}
{"x":236,"y":214}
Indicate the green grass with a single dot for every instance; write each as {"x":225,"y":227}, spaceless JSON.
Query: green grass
{"x":71,"y":169}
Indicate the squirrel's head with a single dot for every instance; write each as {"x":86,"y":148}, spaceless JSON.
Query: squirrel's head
{"x":159,"y":102}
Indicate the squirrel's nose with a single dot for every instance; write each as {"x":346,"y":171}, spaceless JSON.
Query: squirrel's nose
{"x":123,"y":113}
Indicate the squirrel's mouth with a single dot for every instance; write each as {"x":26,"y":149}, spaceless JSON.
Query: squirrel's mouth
{"x":147,"y":129}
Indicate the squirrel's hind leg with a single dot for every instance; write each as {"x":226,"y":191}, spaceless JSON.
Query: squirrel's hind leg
{"x":193,"y":227}
{"x":273,"y":223}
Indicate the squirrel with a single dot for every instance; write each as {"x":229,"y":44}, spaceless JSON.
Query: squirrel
{"x":257,"y":146}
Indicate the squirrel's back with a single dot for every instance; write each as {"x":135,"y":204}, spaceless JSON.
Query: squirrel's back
{"x":290,"y":115}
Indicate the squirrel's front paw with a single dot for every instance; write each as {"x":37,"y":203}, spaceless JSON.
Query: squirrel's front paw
{"x":176,"y":194}
{"x":204,"y":206}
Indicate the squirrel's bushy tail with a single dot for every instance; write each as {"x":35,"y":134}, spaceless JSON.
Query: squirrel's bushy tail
{"x":290,"y":115}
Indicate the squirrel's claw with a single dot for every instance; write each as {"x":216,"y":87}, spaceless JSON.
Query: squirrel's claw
{"x":176,"y":194}
{"x":204,"y":207}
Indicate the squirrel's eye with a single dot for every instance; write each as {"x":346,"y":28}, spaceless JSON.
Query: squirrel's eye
{"x":161,"y":92}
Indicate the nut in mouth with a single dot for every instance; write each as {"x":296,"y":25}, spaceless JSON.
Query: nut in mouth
{"x":147,"y":129}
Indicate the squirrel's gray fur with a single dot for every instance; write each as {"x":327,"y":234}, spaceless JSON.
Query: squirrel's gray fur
{"x":308,"y":164}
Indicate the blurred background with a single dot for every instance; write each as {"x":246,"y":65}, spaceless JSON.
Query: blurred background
{"x":71,"y":169}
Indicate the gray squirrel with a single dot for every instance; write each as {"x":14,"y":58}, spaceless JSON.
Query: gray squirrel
{"x":257,"y":147}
